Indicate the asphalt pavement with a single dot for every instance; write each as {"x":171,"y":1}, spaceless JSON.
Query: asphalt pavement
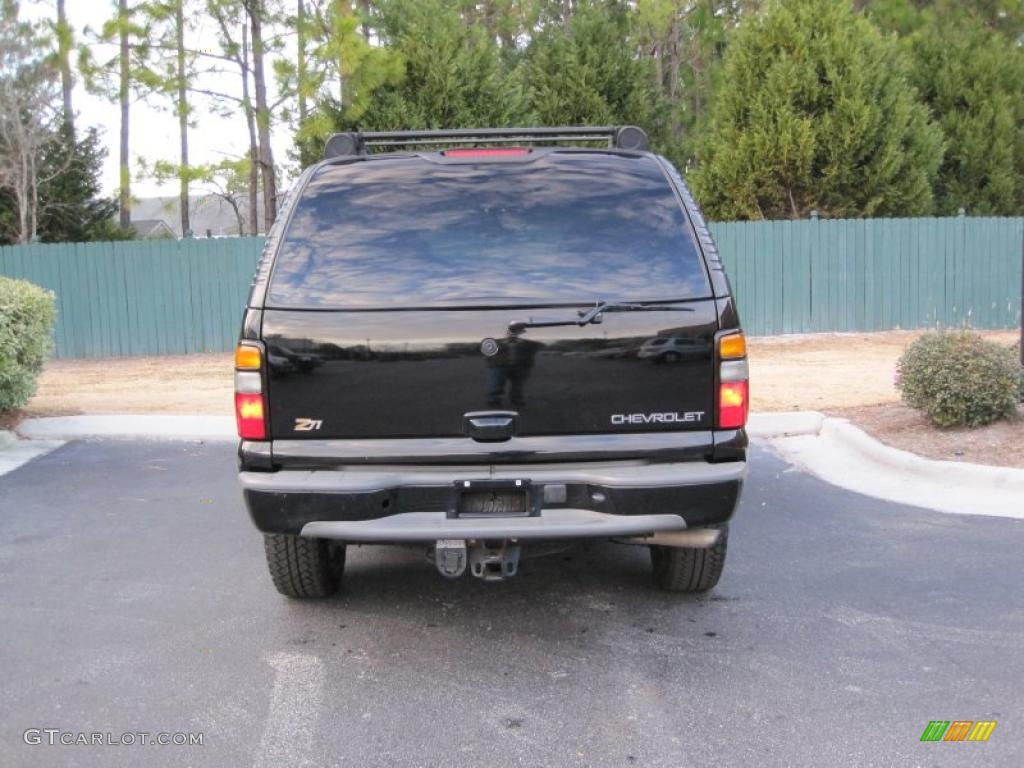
{"x":134,"y":599}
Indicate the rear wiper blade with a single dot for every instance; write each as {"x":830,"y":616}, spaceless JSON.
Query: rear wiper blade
{"x":594,"y":315}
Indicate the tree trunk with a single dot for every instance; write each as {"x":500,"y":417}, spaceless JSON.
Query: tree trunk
{"x":125,"y":169}
{"x":675,"y":64}
{"x":23,"y":197}
{"x":300,"y":63}
{"x":250,"y":120}
{"x":64,"y":54}
{"x":34,"y":212}
{"x":183,"y":171}
{"x":255,"y":9}
{"x":364,"y":12}
{"x":238,"y":214}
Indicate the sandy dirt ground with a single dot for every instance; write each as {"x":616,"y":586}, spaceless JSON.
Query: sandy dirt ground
{"x":902,"y":427}
{"x":172,"y":384}
{"x":824,"y":372}
{"x":849,"y":375}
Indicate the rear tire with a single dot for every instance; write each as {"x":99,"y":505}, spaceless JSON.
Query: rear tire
{"x":688,"y":569}
{"x":303,"y":568}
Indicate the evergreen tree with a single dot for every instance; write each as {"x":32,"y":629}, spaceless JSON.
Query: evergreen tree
{"x":972,"y":78}
{"x":685,"y":40}
{"x":589,"y":72}
{"x":71,"y":208}
{"x":451,"y":72}
{"x":336,"y":76}
{"x":434,"y":69}
{"x":1005,"y":17}
{"x":816,"y":113}
{"x":120,"y":77}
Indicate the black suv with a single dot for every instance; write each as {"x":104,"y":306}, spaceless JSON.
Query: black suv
{"x":448,"y":344}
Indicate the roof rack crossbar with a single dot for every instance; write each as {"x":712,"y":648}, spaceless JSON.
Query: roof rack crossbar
{"x":617,"y":137}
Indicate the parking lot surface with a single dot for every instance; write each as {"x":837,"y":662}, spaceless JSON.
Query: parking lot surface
{"x":134,"y":598}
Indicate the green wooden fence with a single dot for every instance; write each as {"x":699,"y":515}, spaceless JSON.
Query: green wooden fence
{"x":174,"y":297}
{"x":875,"y":274}
{"x":153,"y":297}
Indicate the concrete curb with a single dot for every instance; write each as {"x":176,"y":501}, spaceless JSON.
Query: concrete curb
{"x":846,"y":456}
{"x":133,"y":426}
{"x":787,"y":424}
{"x":14,"y":452}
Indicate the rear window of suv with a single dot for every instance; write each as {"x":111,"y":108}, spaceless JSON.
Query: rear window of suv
{"x":562,"y":227}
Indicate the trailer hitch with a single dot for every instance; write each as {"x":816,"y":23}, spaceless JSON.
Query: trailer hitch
{"x":490,"y":563}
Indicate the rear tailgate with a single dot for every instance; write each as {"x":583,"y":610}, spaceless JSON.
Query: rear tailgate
{"x":417,"y":373}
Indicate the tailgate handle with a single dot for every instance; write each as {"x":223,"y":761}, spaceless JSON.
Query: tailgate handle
{"x":490,"y":426}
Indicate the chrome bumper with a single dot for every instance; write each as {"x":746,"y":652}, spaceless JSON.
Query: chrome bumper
{"x":550,"y":524}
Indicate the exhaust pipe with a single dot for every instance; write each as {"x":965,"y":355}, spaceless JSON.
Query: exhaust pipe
{"x":692,"y":538}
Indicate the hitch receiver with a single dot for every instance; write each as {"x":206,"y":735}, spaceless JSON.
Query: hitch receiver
{"x":493,"y":563}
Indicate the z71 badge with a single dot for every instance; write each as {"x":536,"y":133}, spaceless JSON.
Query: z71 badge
{"x":307,"y":425}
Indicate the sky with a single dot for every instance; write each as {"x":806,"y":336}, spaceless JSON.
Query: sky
{"x":154,"y":131}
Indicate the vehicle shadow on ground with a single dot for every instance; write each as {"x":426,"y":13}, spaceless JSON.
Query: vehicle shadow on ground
{"x":584,"y":588}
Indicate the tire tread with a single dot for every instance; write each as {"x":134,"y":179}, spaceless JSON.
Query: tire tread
{"x":303,"y":568}
{"x":690,"y":569}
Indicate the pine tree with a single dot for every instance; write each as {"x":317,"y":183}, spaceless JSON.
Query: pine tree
{"x":258,"y":15}
{"x":588,"y":72}
{"x":451,"y":73}
{"x":972,"y":78}
{"x":173,"y":76}
{"x":119,"y":78}
{"x":816,"y":112}
{"x":71,"y":206}
{"x":338,"y":70}
{"x":235,"y":50}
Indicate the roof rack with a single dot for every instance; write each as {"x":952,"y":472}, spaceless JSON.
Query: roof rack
{"x":616,"y":137}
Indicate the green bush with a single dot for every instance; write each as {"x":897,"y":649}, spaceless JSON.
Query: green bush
{"x":27,"y":313}
{"x":959,"y":379}
{"x":1020,"y":388}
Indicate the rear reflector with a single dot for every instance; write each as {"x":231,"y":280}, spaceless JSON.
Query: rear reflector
{"x":732,"y":404}
{"x":247,"y":358}
{"x":488,"y":152}
{"x":249,"y":415}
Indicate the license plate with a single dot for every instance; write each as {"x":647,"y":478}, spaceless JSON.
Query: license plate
{"x":493,"y":500}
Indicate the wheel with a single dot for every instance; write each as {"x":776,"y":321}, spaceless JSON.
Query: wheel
{"x":688,"y":569}
{"x":670,"y":357}
{"x":303,"y":568}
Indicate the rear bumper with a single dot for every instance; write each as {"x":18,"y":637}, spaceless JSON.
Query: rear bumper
{"x":549,"y":524}
{"x":403,"y":503}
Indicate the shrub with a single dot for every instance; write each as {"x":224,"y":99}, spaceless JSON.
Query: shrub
{"x":1016,"y":356}
{"x":27,"y":313}
{"x":959,"y":379}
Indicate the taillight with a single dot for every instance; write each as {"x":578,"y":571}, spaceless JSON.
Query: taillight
{"x":250,"y":405}
{"x":732,"y":404}
{"x":733,"y":382}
